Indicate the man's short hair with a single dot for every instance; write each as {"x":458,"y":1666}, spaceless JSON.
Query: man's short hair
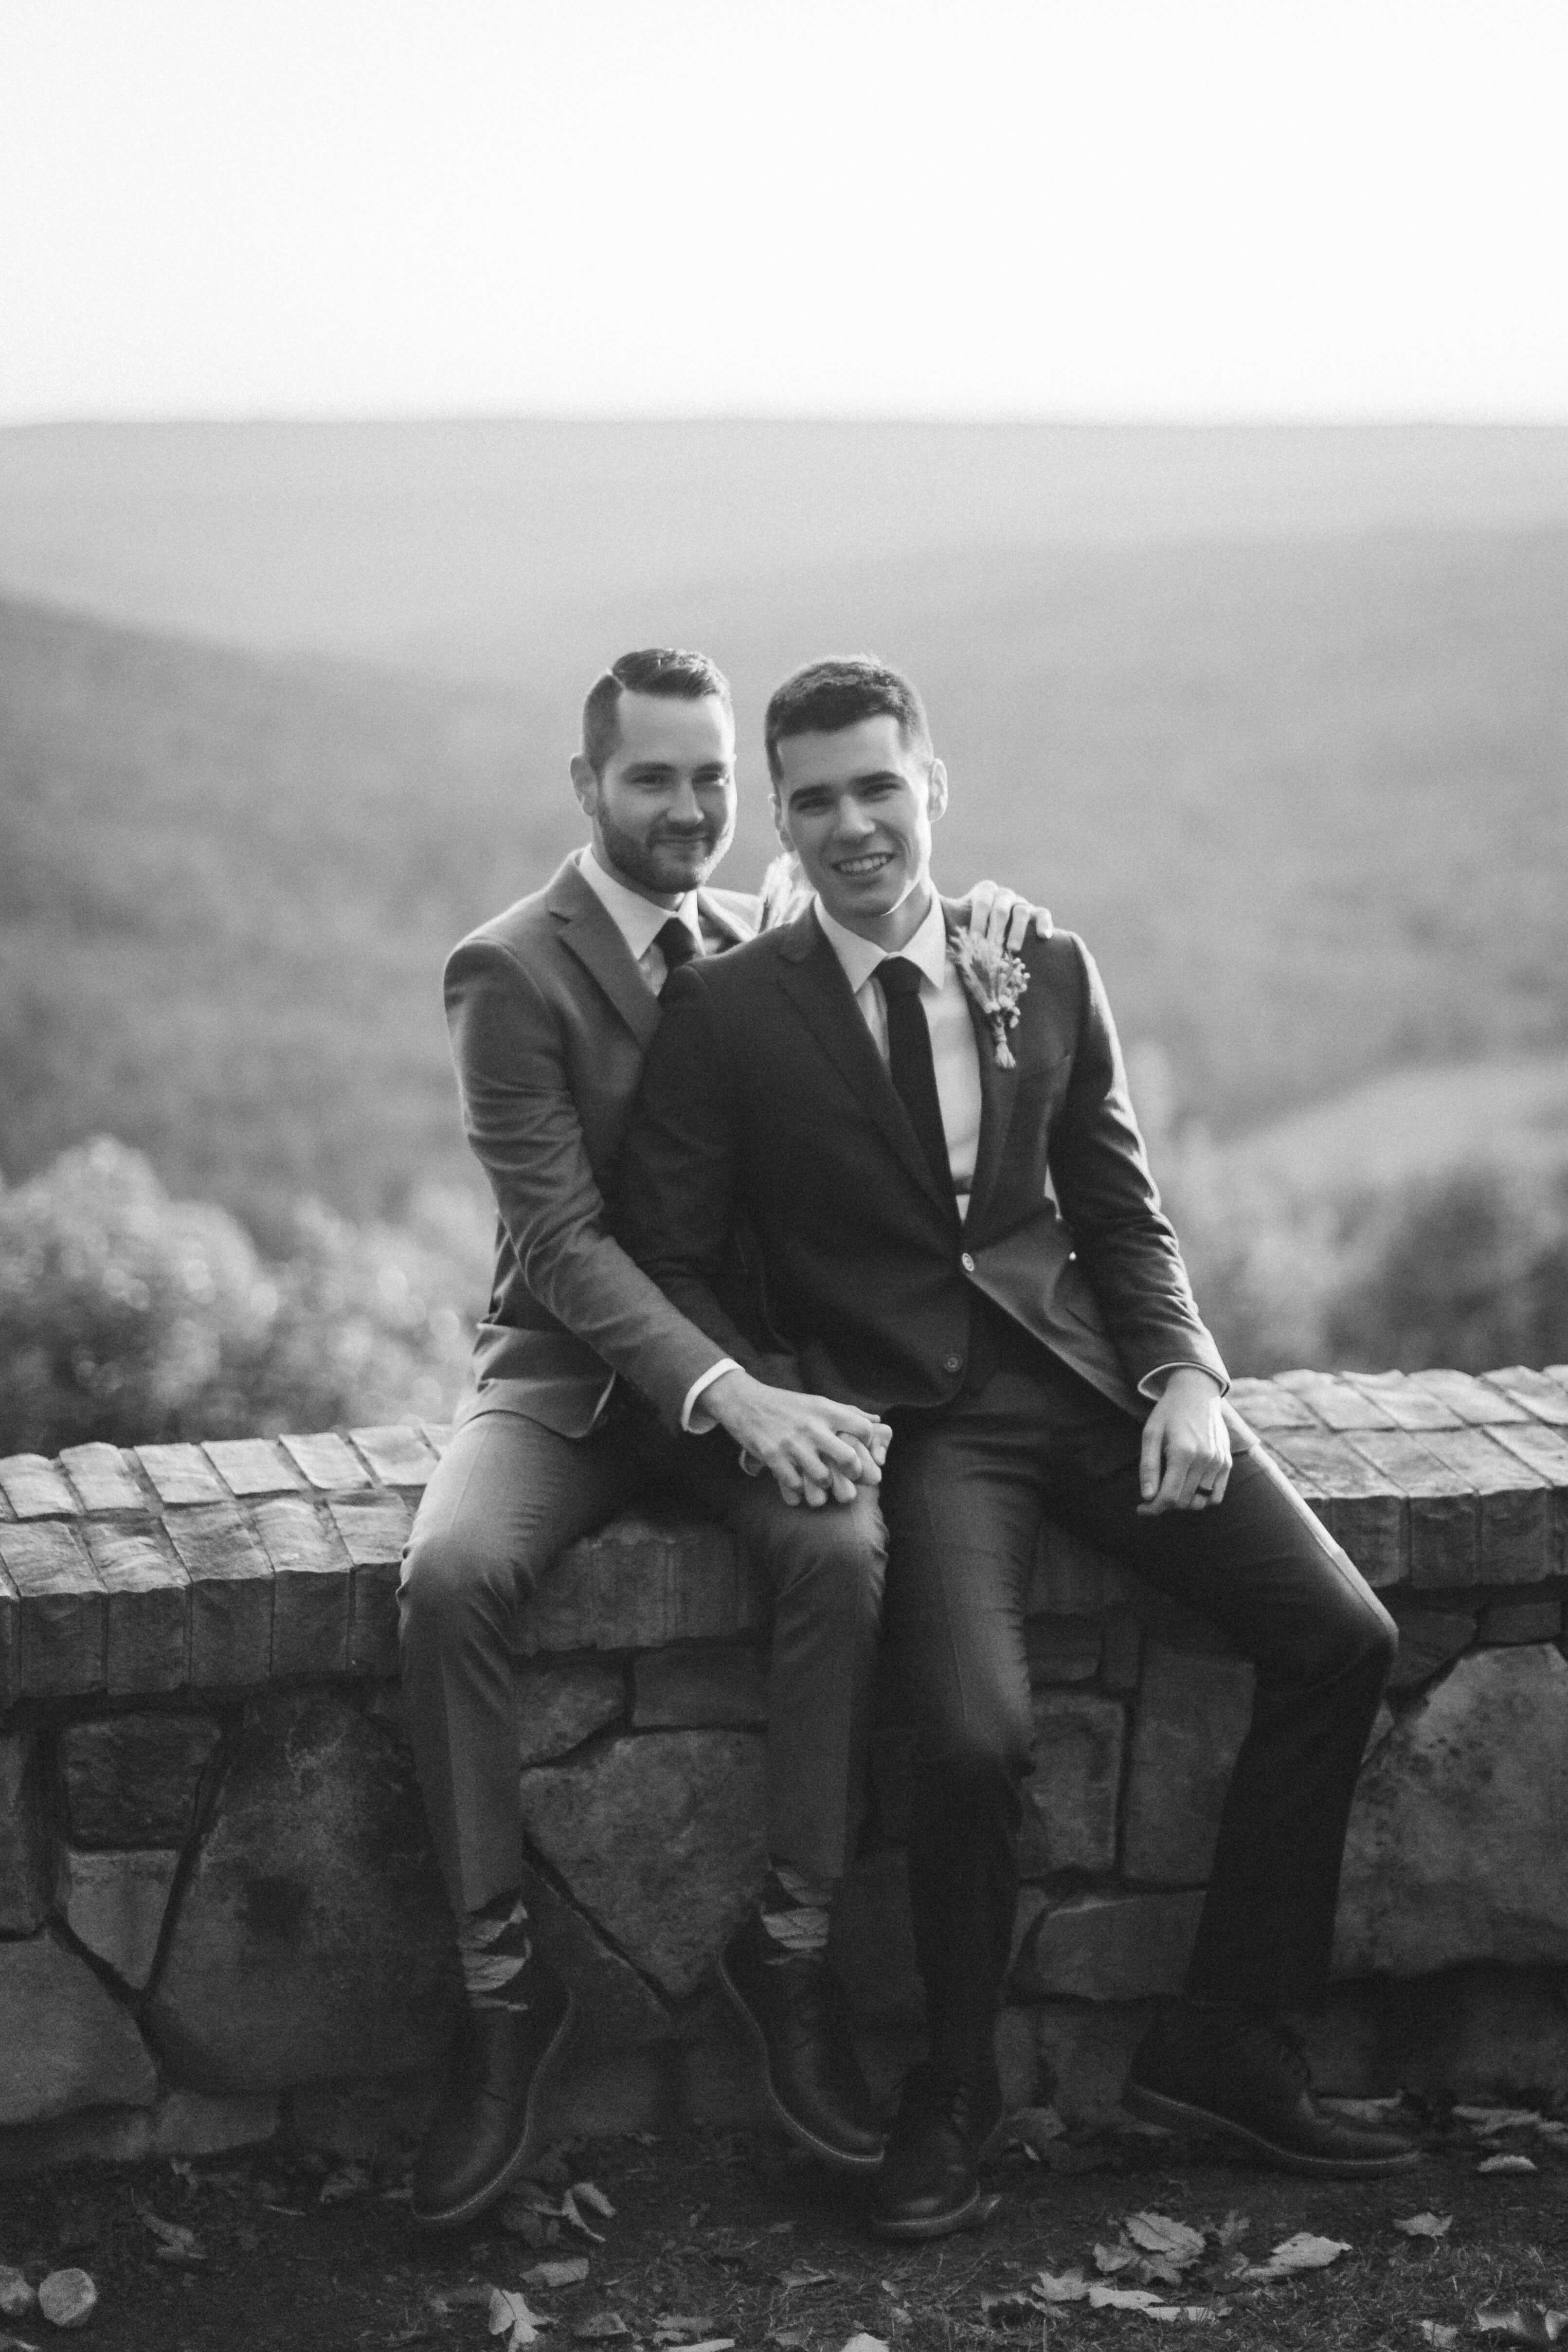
{"x":656,"y":669}
{"x":824,"y":696}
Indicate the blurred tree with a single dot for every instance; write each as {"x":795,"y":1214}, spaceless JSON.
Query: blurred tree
{"x":1470,"y":1268}
{"x":128,"y":1316}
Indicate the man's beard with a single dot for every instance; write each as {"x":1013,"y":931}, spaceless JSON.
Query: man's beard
{"x":640,"y":862}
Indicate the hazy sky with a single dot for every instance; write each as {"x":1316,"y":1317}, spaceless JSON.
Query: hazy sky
{"x":1186,"y":208}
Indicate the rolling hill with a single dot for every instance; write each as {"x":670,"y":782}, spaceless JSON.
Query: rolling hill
{"x":1307,"y":797}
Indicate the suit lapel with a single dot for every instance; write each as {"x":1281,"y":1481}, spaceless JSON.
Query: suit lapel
{"x":999,"y":1090}
{"x":812,"y":977}
{"x":719,"y":921}
{"x":589,"y":932}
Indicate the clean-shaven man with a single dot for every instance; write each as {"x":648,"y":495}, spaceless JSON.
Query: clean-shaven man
{"x":589,"y":1389}
{"x":959,"y":1232}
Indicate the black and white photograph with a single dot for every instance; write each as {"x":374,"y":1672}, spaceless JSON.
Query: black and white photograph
{"x":783,"y":1174}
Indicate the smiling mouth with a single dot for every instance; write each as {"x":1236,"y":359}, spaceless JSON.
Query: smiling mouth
{"x":855,"y":869}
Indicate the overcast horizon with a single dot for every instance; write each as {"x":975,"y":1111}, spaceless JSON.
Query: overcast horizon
{"x":1113,"y":213}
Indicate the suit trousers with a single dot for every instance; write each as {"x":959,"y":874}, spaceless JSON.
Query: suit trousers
{"x":965,"y":1494}
{"x":508,"y":1497}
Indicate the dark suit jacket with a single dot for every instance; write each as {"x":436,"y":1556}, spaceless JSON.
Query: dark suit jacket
{"x":549,"y":1020}
{"x":764,"y":1096}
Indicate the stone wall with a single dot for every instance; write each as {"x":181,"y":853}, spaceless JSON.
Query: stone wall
{"x":218,"y":1911}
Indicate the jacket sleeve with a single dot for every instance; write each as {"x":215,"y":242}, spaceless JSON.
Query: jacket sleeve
{"x":521,"y":1119}
{"x":674,"y":1203}
{"x":1124,"y":1241}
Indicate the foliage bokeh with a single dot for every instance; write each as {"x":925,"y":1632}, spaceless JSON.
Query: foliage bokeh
{"x":128,"y":1316}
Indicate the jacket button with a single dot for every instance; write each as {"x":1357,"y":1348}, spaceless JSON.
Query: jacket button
{"x":952,"y":1363}
{"x":967,"y":1263}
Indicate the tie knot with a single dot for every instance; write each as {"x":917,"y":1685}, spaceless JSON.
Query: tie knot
{"x":898,"y":976}
{"x":674,"y":943}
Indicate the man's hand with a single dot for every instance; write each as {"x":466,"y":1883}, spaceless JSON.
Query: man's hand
{"x":815,"y":1449}
{"x":1002,"y":918}
{"x":1186,"y":1461}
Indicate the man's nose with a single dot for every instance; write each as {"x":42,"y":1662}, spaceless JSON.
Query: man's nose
{"x":851,"y":822}
{"x":684,"y":808}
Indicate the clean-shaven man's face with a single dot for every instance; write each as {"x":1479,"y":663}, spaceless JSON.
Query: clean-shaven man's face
{"x":663,"y":811}
{"x":857,"y":807}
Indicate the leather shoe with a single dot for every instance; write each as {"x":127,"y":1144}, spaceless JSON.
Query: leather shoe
{"x":930,"y":2182}
{"x":489,"y":2122}
{"x":794,"y":2013}
{"x":1242,"y":2079}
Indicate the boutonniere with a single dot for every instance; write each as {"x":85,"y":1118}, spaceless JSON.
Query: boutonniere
{"x":995,"y":980}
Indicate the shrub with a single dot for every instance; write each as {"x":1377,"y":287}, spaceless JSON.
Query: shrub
{"x":128,"y":1316}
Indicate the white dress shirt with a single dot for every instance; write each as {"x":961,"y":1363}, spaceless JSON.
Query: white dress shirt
{"x":953,"y":1053}
{"x":639,"y":920}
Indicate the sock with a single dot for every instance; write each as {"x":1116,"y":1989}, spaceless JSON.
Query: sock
{"x":794,"y":1913}
{"x":493,"y":1948}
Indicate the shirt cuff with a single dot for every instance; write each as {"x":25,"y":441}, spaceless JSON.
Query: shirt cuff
{"x":696,"y":1419}
{"x":1153,"y":1383}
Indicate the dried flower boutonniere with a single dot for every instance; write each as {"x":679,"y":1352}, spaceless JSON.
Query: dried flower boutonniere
{"x":996,"y":980}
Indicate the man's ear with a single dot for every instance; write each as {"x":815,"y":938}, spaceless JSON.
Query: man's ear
{"x":780,"y":826}
{"x":585,"y":784}
{"x":937,"y":790}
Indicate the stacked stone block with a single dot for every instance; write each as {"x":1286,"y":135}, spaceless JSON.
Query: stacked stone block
{"x":218,"y":1908}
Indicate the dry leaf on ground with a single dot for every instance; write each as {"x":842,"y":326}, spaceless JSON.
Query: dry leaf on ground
{"x":572,"y":2211}
{"x":1109,"y":2260}
{"x":789,"y":2280}
{"x":1424,"y":2225}
{"x":1529,"y":2323}
{"x":863,"y":2344}
{"x":1302,"y":2252}
{"x":1173,"y":2241}
{"x":510,"y":2317}
{"x":570,"y":2272}
{"x":588,"y":2193}
{"x":1506,"y":2164}
{"x":1439,"y":2333}
{"x":16,"y":2295}
{"x":1068,"y":2286}
{"x":176,"y":2245}
{"x":1122,"y":2298}
{"x":68,"y":2298}
{"x":1487,"y":2120}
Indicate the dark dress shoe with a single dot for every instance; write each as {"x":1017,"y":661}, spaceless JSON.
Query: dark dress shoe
{"x":794,"y":2013}
{"x":1242,"y":2080}
{"x":489,"y":2121}
{"x":930,"y":2182}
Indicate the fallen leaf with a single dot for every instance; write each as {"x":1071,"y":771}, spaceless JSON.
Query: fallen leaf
{"x":176,"y":2245}
{"x":1364,"y":2111}
{"x":789,"y":2280}
{"x":714,"y":2344}
{"x":1529,"y":2324}
{"x":1232,"y":2230}
{"x":68,"y":2298}
{"x":570,"y":2272}
{"x":792,"y":2339}
{"x":510,"y":2317}
{"x":680,"y":2327}
{"x":16,"y":2295}
{"x":1302,"y":2252}
{"x":1424,"y":2225}
{"x":601,"y":2327}
{"x":1436,"y":2332}
{"x":588,"y":2193}
{"x":570,"y":2212}
{"x":1122,"y":2298}
{"x":1069,"y":2286}
{"x":1109,"y":2260}
{"x":1506,"y":2164}
{"x":1173,"y":2241}
{"x":349,"y":2181}
{"x":1488,"y":2120}
{"x":1012,"y":2309}
{"x":863,"y":2344}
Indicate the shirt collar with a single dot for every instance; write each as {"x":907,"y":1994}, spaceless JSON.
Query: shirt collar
{"x":637,"y":920}
{"x":860,"y":958}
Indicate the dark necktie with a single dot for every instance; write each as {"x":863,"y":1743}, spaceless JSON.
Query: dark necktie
{"x":674,"y":943}
{"x":913,"y":1071}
